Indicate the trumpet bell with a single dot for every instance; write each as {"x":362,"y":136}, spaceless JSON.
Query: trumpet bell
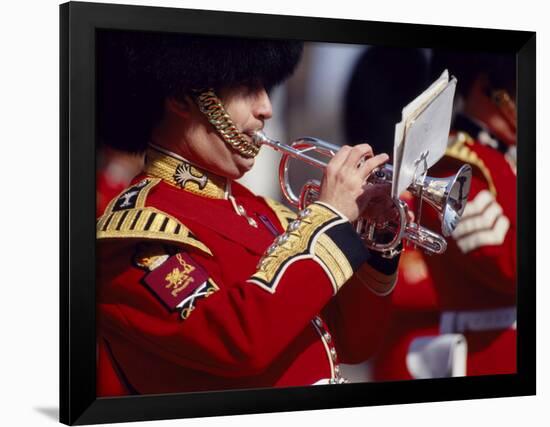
{"x":448,"y":197}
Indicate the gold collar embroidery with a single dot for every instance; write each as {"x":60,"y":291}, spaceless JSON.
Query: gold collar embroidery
{"x":180,"y":173}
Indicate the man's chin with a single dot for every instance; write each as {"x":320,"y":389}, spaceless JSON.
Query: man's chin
{"x":241,"y":165}
{"x":245,"y":164}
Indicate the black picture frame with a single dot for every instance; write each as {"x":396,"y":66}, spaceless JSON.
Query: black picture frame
{"x":78,"y":401}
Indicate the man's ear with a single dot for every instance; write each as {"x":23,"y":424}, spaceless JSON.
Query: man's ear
{"x":180,"y":107}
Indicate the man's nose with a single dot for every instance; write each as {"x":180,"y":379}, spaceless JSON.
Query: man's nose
{"x":262,"y":105}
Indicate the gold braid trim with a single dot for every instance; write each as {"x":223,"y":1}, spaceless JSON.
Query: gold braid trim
{"x":140,"y":222}
{"x":460,"y":149}
{"x":146,"y":223}
{"x":336,"y":262}
{"x":284,"y":214}
{"x":212,"y":107}
{"x":305,"y":239}
{"x":162,"y":165}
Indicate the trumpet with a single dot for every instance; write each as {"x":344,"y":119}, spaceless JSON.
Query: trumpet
{"x":446,"y":195}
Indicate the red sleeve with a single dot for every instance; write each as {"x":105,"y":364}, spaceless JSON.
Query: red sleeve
{"x":484,"y":241}
{"x":486,"y":235}
{"x":240,"y":328}
{"x":360,"y":313}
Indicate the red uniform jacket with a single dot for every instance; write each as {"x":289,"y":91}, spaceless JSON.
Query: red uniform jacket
{"x":470,"y":290}
{"x":201,"y":288}
{"x":475,"y":280}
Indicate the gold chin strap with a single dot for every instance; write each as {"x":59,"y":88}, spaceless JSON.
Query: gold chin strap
{"x":506,"y":105}
{"x":211,"y":106}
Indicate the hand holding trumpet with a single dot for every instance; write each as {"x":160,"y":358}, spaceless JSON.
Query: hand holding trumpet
{"x":345,"y":187}
{"x":358,"y":184}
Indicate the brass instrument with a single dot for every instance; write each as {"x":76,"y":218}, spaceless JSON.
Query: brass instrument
{"x":446,"y":195}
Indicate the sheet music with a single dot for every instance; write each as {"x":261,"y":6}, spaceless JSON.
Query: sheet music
{"x":421,"y":136}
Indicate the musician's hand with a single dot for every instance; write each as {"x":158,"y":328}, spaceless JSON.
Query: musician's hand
{"x":343,"y":185}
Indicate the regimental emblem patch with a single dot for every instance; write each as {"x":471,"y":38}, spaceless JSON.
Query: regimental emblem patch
{"x":183,"y":174}
{"x":178,"y":281}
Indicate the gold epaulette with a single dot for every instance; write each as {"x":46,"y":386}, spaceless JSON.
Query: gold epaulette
{"x":459,"y":148}
{"x":127,"y":217}
{"x":284,"y":214}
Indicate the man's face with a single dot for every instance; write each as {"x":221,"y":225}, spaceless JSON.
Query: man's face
{"x":202,"y":145}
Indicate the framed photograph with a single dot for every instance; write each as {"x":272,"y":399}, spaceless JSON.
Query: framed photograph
{"x":265,"y":213}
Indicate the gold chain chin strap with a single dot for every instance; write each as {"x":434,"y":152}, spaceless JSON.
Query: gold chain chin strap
{"x":211,"y":106}
{"x":506,"y":105}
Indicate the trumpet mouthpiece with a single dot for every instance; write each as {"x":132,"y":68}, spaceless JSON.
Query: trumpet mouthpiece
{"x":259,"y":138}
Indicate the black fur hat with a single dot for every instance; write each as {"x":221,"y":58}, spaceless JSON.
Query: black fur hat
{"x":137,"y":71}
{"x":498,"y":68}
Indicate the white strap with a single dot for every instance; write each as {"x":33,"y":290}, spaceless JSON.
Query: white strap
{"x":482,"y":320}
{"x":437,"y":356}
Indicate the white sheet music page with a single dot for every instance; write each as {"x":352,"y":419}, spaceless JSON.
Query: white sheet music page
{"x":421,"y":136}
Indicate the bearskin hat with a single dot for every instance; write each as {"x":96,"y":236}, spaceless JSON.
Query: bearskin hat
{"x":498,"y":68}
{"x":137,"y":71}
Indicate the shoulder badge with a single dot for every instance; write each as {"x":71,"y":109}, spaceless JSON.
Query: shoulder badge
{"x":127,"y":216}
{"x":176,"y":279}
{"x":460,"y":148}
